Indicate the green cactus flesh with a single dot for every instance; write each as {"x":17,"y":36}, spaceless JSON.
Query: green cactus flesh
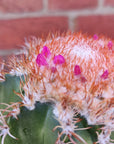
{"x":36,"y":126}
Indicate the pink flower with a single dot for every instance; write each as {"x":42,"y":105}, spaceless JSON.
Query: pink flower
{"x":77,"y":70}
{"x":83,"y":79}
{"x":46,"y":52}
{"x":105,"y":74}
{"x":110,"y":44}
{"x":41,"y":61}
{"x":58,"y":59}
{"x":95,"y":37}
{"x":53,"y":69}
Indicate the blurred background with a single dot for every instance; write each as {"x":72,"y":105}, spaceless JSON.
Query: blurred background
{"x":20,"y":19}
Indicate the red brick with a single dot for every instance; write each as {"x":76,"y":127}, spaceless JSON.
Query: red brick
{"x":96,"y":24}
{"x":71,"y":4}
{"x":20,"y":5}
{"x":13,"y":32}
{"x":109,"y":2}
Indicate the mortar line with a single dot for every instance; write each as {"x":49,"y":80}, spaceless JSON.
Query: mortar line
{"x":45,"y":6}
{"x":100,"y":4}
{"x":74,"y":13}
{"x":11,"y":51}
{"x":71,"y":23}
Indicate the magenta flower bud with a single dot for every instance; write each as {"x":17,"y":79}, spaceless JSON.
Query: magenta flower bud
{"x":58,"y":59}
{"x":53,"y":69}
{"x":41,"y":61}
{"x":77,"y":70}
{"x":83,"y":79}
{"x":95,"y":37}
{"x":105,"y":74}
{"x":110,"y":44}
{"x":46,"y":52}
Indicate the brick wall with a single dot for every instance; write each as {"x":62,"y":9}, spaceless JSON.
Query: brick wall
{"x":23,"y":18}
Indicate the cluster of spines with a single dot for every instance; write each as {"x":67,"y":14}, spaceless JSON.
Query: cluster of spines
{"x":47,"y":61}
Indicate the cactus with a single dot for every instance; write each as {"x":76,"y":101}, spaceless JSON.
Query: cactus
{"x":60,"y":90}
